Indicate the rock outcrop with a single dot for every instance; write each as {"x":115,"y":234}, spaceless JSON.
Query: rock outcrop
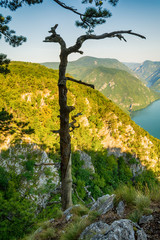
{"x":122,"y":229}
{"x":103,"y":204}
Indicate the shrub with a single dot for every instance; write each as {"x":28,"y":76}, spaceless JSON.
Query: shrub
{"x":126,"y":193}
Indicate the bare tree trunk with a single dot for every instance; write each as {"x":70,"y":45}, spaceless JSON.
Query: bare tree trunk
{"x":65,"y":139}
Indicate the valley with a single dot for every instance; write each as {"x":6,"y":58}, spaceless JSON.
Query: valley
{"x":148,"y":72}
{"x":114,"y":79}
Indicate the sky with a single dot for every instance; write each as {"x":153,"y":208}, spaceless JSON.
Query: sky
{"x":141,"y":16}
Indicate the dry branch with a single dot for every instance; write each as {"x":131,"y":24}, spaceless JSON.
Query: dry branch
{"x":43,"y":164}
{"x":80,"y":82}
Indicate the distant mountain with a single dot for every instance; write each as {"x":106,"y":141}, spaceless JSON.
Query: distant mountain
{"x":131,"y":65}
{"x":148,"y":72}
{"x":146,"y":69}
{"x":113,"y":79}
{"x":154,"y":80}
{"x":74,"y":67}
{"x":120,"y":86}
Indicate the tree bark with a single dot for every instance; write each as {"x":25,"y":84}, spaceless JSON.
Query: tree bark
{"x":65,"y":139}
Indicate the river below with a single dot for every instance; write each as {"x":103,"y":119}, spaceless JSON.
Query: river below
{"x":149,"y":118}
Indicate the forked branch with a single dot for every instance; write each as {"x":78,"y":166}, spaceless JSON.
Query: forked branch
{"x":118,"y":34}
{"x":76,"y":48}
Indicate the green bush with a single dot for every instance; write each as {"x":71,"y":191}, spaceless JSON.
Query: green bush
{"x":17,"y":215}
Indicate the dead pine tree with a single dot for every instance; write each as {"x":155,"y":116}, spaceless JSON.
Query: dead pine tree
{"x":88,"y":20}
{"x":65,"y":110}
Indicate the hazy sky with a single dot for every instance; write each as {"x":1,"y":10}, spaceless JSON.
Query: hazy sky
{"x":141,"y":16}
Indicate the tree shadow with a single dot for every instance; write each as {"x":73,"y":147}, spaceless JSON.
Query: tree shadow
{"x":4,"y":62}
{"x":8,"y":124}
{"x":4,"y":70}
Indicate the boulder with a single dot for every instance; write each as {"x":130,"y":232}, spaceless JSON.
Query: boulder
{"x":103,"y":204}
{"x":94,"y":229}
{"x":123,"y":229}
{"x":141,"y":235}
{"x":120,"y":208}
{"x":145,"y":219}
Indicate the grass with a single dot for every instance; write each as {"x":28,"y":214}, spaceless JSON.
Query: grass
{"x":76,"y":227}
{"x":46,"y":234}
{"x":126,"y":193}
{"x":138,"y":201}
{"x":155,"y":193}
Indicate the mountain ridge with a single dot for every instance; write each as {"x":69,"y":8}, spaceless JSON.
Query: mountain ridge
{"x":114,"y":80}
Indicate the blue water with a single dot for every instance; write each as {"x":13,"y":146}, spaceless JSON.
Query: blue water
{"x":149,"y":118}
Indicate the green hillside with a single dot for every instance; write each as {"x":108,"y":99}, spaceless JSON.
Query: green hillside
{"x":28,"y":113}
{"x":29,"y":92}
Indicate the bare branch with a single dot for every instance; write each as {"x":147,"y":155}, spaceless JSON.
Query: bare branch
{"x":43,"y":164}
{"x":55,"y":131}
{"x":53,"y":202}
{"x":55,"y":192}
{"x":77,"y":115}
{"x":81,"y":52}
{"x":72,"y":124}
{"x":118,"y":34}
{"x":68,"y":8}
{"x":70,"y":108}
{"x":89,"y":194}
{"x":54,"y":37}
{"x":77,"y":193}
{"x":80,"y":82}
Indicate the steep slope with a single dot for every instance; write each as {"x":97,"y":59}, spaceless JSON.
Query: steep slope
{"x":154,"y":80}
{"x":121,"y":87}
{"x":131,"y":65}
{"x":29,"y":93}
{"x":146,"y":69}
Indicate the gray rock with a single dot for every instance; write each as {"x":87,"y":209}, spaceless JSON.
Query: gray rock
{"x":98,"y":237}
{"x":87,"y":161}
{"x":94,"y":228}
{"x":67,"y":212}
{"x":120,"y":208}
{"x":136,"y":169}
{"x":103,"y":204}
{"x":145,"y":219}
{"x":141,"y":235}
{"x":122,"y":230}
